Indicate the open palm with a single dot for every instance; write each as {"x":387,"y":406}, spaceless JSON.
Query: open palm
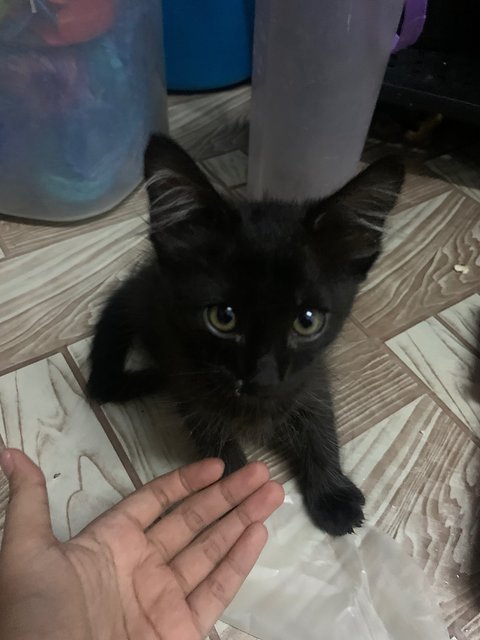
{"x":130,"y":575}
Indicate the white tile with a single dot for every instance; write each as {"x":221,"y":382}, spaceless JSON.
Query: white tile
{"x":464,"y":318}
{"x":148,"y":428}
{"x":226,"y":632}
{"x":211,"y":123}
{"x":463,"y":174}
{"x":230,"y":168}
{"x":420,"y":474}
{"x":444,"y":364}
{"x":45,"y":414}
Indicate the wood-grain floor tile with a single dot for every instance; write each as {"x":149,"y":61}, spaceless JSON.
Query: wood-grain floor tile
{"x":211,"y":124}
{"x":420,"y":473}
{"x":445,"y":365}
{"x":421,"y":184}
{"x":149,"y":429}
{"x":471,"y":630}
{"x":240,"y":192}
{"x":226,"y":632}
{"x":21,"y":236}
{"x":51,"y":297}
{"x":230,"y":168}
{"x":461,"y":173}
{"x":4,"y":493}
{"x":415,"y":276}
{"x":464,"y":319}
{"x":45,"y":414}
{"x":368,"y":384}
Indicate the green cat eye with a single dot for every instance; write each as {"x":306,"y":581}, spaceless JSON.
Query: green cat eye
{"x":221,"y":319}
{"x":309,"y":323}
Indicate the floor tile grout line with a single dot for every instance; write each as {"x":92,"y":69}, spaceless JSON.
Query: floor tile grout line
{"x":210,"y":174}
{"x":101,"y":221}
{"x":219,"y":155}
{"x":4,"y":249}
{"x":405,"y":205}
{"x":103,"y":420}
{"x":44,"y":355}
{"x":26,"y":363}
{"x":453,"y":185}
{"x":456,"y":633}
{"x":424,"y":389}
{"x":360,"y":326}
{"x":450,"y":188}
{"x":473,"y":350}
{"x":433,"y":396}
{"x":388,"y":336}
{"x":214,"y":634}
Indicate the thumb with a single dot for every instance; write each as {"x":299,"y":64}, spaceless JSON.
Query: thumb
{"x":27,"y":520}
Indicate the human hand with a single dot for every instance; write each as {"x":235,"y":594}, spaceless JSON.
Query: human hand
{"x":127,"y":575}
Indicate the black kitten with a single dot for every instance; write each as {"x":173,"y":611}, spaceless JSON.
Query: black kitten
{"x":236,"y":307}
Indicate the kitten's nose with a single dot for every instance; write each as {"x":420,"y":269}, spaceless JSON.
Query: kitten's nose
{"x":265,"y":377}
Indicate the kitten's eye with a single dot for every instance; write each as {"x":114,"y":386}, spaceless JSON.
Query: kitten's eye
{"x":309,"y":323}
{"x":221,"y":319}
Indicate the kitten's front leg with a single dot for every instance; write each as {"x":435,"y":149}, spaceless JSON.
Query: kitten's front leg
{"x":114,"y":334}
{"x":209,"y":443}
{"x":309,"y":440}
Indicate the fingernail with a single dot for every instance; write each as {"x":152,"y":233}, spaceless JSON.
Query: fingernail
{"x":6,"y":462}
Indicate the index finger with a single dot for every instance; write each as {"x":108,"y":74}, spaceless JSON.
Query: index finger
{"x":148,"y":503}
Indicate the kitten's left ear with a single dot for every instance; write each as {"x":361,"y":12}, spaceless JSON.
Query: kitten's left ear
{"x":168,"y":166}
{"x":349,"y":225}
{"x":189,"y":220}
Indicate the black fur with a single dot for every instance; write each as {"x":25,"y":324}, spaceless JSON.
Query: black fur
{"x":268,"y":260}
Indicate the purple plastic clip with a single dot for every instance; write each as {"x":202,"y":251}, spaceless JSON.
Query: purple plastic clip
{"x":414,"y":16}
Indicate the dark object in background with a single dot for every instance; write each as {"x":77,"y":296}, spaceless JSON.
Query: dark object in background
{"x":441,"y":72}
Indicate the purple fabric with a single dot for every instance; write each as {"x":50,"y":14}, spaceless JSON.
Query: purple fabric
{"x":414,"y":16}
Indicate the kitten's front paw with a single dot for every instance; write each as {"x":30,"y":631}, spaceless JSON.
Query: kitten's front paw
{"x":234,"y":459}
{"x":339,"y":510}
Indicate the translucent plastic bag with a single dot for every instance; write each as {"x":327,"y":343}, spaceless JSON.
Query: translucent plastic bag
{"x":311,"y":586}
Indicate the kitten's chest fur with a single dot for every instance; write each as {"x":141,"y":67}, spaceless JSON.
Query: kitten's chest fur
{"x":252,"y":420}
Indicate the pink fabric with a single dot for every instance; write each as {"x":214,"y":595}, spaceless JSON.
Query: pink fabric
{"x":79,"y":20}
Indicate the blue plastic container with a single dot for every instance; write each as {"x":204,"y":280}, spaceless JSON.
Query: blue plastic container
{"x":208,"y":43}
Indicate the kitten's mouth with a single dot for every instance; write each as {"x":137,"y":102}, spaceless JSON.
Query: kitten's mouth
{"x":254,"y":392}
{"x":238,"y":388}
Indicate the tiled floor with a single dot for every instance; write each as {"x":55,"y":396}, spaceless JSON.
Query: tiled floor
{"x":407,"y":367}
